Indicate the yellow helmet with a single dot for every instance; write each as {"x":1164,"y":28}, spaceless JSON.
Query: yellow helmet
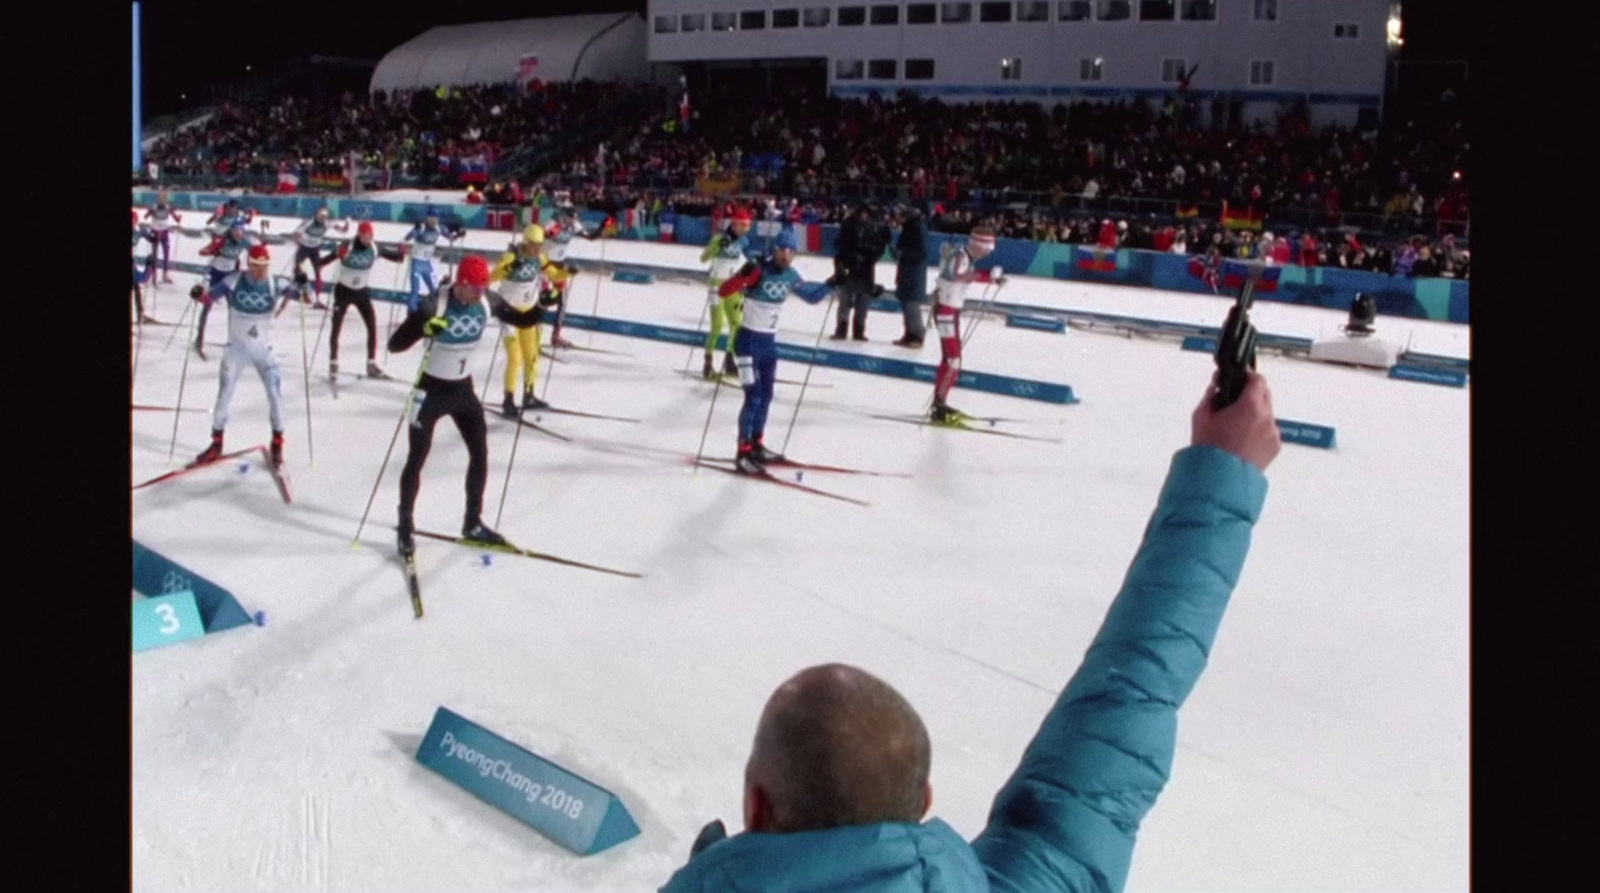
{"x":534,"y":233}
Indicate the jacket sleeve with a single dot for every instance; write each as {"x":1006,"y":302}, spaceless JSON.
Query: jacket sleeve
{"x":503,"y":268}
{"x":502,"y":310}
{"x":410,"y":331}
{"x":712,"y":247}
{"x":1067,"y":819}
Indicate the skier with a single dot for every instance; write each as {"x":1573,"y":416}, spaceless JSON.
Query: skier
{"x":727,"y":253}
{"x":520,"y":273}
{"x":142,"y":234}
{"x":227,"y":252}
{"x":766,"y":283}
{"x":251,"y":296}
{"x":356,"y":258}
{"x":558,"y":238}
{"x":162,"y":219}
{"x":445,"y":388}
{"x":424,"y":237}
{"x":310,"y":237}
{"x":955,"y":274}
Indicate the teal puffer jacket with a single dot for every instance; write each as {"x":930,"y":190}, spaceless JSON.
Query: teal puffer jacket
{"x":1066,"y":820}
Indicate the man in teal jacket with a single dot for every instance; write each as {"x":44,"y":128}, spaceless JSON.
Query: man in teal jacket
{"x":837,"y":782}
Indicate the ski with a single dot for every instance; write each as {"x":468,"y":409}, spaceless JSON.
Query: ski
{"x":279,"y":476}
{"x":524,"y":421}
{"x":732,"y":380}
{"x":193,"y":466}
{"x":525,"y":553}
{"x":962,"y":426}
{"x":615,"y":353}
{"x":833,"y":469}
{"x":145,"y":407}
{"x":414,"y":585}
{"x":770,"y":477}
{"x":586,"y":415}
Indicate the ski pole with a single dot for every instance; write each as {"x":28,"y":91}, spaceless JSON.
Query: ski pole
{"x":182,"y":378}
{"x":404,"y":414}
{"x":809,"y":366}
{"x":177,"y":326}
{"x":594,"y":312}
{"x":705,"y":308}
{"x":489,"y":376}
{"x":510,"y":462}
{"x":305,"y":373}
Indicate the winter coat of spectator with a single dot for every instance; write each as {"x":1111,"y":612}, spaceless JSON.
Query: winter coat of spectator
{"x":836,"y":788}
{"x":911,"y":276}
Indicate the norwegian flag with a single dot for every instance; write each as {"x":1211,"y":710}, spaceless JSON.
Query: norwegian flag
{"x":683,"y":106}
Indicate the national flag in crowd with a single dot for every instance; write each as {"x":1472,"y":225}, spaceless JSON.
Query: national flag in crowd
{"x":1237,"y":218}
{"x":1097,"y":260}
{"x":1235,"y":274}
{"x":683,"y":105}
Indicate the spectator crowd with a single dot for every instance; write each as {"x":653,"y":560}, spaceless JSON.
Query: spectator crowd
{"x":1138,"y":174}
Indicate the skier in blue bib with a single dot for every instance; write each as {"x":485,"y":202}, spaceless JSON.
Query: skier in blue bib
{"x":766,"y":283}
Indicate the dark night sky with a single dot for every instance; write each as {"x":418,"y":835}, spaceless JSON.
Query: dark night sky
{"x":180,"y":44}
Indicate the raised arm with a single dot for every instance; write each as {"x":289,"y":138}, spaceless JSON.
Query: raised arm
{"x":1067,"y":819}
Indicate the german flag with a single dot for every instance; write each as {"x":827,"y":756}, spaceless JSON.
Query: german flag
{"x":1241,"y":218}
{"x":1188,"y":212}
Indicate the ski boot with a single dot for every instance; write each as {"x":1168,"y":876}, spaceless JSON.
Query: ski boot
{"x":531,"y":402}
{"x":838,"y":335}
{"x":509,"y":407}
{"x":944,"y":414}
{"x":747,"y":462}
{"x":200,"y":349}
{"x":374,"y":372}
{"x":709,"y":371}
{"x":474,"y":530}
{"x":908,"y":341}
{"x":276,"y":449}
{"x":729,"y":365}
{"x":404,"y":543}
{"x":763,"y":455}
{"x":211,"y":453}
{"x":333,"y":370}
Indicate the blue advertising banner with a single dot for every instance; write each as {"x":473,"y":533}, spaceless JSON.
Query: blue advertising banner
{"x":570,"y":810}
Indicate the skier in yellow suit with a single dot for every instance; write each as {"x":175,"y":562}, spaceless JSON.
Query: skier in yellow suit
{"x":525,"y":277}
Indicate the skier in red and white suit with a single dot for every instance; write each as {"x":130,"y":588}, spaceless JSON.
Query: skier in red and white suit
{"x":956,"y":272}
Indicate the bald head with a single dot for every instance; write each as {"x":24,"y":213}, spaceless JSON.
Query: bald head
{"x":836,"y":746}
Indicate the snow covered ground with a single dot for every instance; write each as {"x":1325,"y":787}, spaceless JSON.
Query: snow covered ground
{"x":1324,"y":749}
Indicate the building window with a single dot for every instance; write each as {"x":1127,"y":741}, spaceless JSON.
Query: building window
{"x":1091,"y":69}
{"x":1266,"y":10}
{"x":919,"y":69}
{"x":752,"y":20}
{"x":1033,"y":11}
{"x":817,"y":16}
{"x":850,"y":16}
{"x":1345,"y":31}
{"x":1011,"y":69}
{"x":885,"y":15}
{"x":1199,"y":10}
{"x":694,"y":21}
{"x":995,"y":12}
{"x":666,"y":24}
{"x":921,"y":14}
{"x":1115,"y":10}
{"x":955,"y":13}
{"x":723,"y":21}
{"x":848,"y":69}
{"x":1171,"y":70}
{"x":1261,"y":73}
{"x":1074,"y":10}
{"x":1157,"y":10}
{"x":882,"y":69}
{"x":786,"y":18}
